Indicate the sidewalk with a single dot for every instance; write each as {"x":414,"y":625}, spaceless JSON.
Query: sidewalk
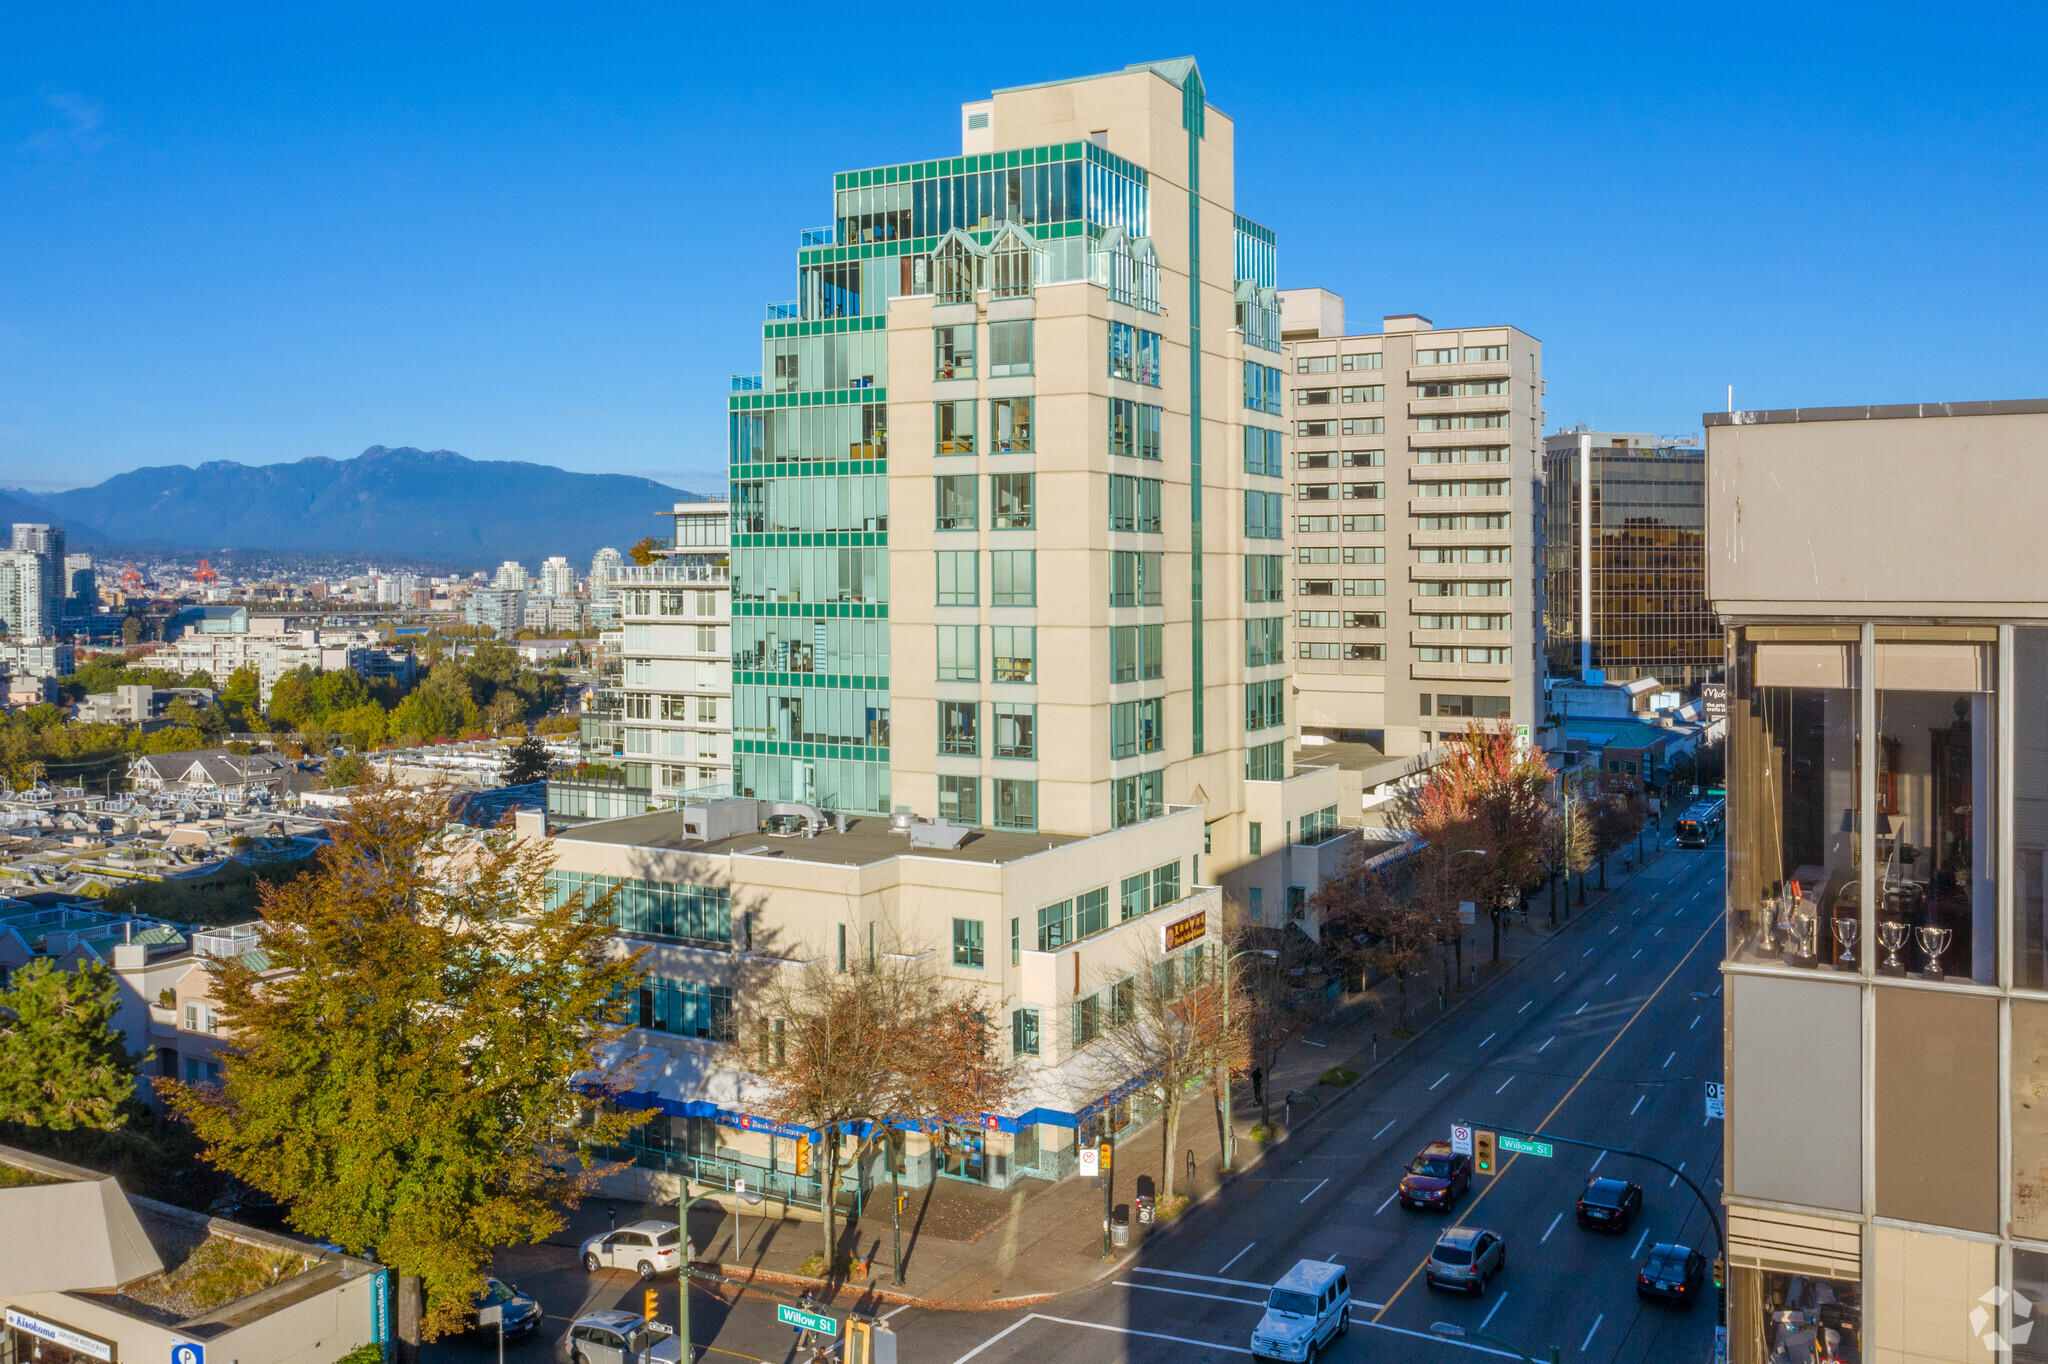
{"x":969,"y":1247}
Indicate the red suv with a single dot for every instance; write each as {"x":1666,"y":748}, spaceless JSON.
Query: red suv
{"x":1436,"y":1177}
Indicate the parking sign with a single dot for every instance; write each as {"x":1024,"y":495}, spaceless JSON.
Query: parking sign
{"x":1461,"y":1138}
{"x":185,"y":1352}
{"x":1717,"y":1099}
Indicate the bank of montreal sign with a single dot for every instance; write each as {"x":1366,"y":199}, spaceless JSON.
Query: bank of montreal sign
{"x":61,"y":1335}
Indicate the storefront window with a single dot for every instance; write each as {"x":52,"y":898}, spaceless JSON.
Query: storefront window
{"x":1935,"y":849}
{"x":1793,"y":894}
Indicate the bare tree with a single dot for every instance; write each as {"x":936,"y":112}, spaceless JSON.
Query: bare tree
{"x":1169,"y":1031}
{"x":1366,"y":922}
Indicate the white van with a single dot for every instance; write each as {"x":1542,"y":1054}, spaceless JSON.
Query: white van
{"x":1309,"y":1307}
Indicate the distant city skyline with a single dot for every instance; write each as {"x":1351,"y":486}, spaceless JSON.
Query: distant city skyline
{"x":262,"y":240}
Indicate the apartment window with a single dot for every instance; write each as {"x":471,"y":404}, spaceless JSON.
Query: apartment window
{"x":954,"y":425}
{"x":959,"y":659}
{"x":1365,"y":554}
{"x":1263,"y":518}
{"x":1365,"y":620}
{"x":1305,"y":397}
{"x":967,"y":949}
{"x":1091,"y":912}
{"x":1266,"y":762}
{"x":1009,"y":501}
{"x":1315,"y":492}
{"x":1315,"y":429}
{"x":1316,"y":364}
{"x":1257,"y":833}
{"x":1365,"y":492}
{"x":1133,"y":354}
{"x":1365,"y":587}
{"x":1133,"y":429}
{"x":1255,"y":904}
{"x":1013,"y":652}
{"x":1478,"y":353}
{"x":1479,"y":521}
{"x":686,"y":1010}
{"x":1317,"y":620}
{"x":955,"y":494}
{"x":1135,"y":577}
{"x":1474,"y":588}
{"x":707,"y":639}
{"x":1463,"y":388}
{"x":1365,"y":360}
{"x":1472,"y":707}
{"x":1016,"y":729}
{"x":1316,"y":554}
{"x":953,"y":352}
{"x":1316,"y":525}
{"x":1463,"y":421}
{"x":1087,"y":1020}
{"x":958,"y":735}
{"x":1136,"y":652}
{"x":1366,"y":393}
{"x":1355,"y":653}
{"x":639,"y":706}
{"x":959,"y":577}
{"x":1475,"y":487}
{"x":1264,"y":577}
{"x":1055,"y":926}
{"x":1436,"y":620}
{"x":1013,"y":577}
{"x":1441,"y":355}
{"x":1365,"y":426}
{"x":1264,"y":703}
{"x":1473,"y":554}
{"x":1137,"y":798}
{"x":1262,"y":452}
{"x":1134,"y":503}
{"x":1262,"y":389}
{"x":1430,"y":653}
{"x":1264,"y":644}
{"x":1016,"y":804}
{"x":707,"y":710}
{"x":1136,"y":727}
{"x":707,"y":603}
{"x":1009,"y":426}
{"x":1009,"y":348}
{"x":960,"y":799}
{"x":1135,"y":897}
{"x":1024,"y":1032}
{"x":1365,"y":459}
{"x":1322,"y":649}
{"x":1315,"y":587}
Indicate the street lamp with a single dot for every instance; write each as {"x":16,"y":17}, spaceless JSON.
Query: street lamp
{"x":1230,"y":1132}
{"x":1452,"y":1332}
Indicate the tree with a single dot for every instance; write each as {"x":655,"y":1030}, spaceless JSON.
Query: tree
{"x":1272,"y":1003}
{"x":238,"y":698}
{"x":346,"y":770}
{"x":646,"y":551}
{"x":364,"y":726}
{"x":1490,"y":795}
{"x":1571,"y":847}
{"x":526,"y":761}
{"x":173,"y":739}
{"x":1366,"y":922}
{"x":506,"y":709}
{"x":131,"y":630}
{"x":1171,"y":1036}
{"x":63,"y":1064}
{"x":1617,"y":817}
{"x":404,"y":1071}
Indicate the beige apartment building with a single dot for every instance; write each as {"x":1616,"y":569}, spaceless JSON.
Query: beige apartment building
{"x":1886,"y":616}
{"x":1415,"y":509}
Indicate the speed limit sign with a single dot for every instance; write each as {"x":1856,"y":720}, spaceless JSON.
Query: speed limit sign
{"x":1461,"y":1138}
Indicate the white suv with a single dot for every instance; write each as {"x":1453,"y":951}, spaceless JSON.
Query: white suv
{"x":647,"y":1248}
{"x":1309,"y":1307}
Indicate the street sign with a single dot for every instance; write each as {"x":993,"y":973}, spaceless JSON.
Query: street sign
{"x":1461,"y":1138}
{"x":1468,"y":912}
{"x":1717,"y":1099}
{"x":1526,"y":1148}
{"x":805,"y":1321}
{"x":1091,"y":1161}
{"x":185,"y":1352}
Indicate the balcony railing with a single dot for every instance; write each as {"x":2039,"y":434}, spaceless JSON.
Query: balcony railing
{"x":648,"y":575}
{"x":785,"y":310}
{"x":746,"y":383}
{"x":818,"y":236}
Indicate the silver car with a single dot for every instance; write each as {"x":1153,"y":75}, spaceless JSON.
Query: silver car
{"x":1466,"y":1258}
{"x":618,"y":1338}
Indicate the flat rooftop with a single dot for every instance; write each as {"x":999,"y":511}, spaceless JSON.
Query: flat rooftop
{"x":2002,"y":407}
{"x":867,"y":840}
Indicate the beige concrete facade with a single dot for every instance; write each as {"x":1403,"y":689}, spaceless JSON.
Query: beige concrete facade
{"x":1416,"y":482}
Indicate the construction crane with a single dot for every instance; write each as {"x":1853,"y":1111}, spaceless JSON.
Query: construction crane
{"x":206,"y":577}
{"x":130,"y":579}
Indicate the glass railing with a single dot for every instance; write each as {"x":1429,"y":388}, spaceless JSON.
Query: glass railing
{"x":818,"y":236}
{"x":784,"y":310}
{"x":746,"y":383}
{"x":647,"y":575}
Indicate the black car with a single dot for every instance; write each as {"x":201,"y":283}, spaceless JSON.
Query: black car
{"x":1609,"y":1204}
{"x":519,"y":1313}
{"x":1672,"y":1274}
{"x":1436,"y":1177}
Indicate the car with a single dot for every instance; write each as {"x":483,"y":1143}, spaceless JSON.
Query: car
{"x":1436,"y":1177}
{"x":1465,"y":1258}
{"x":1609,"y":1204}
{"x":618,"y":1338}
{"x":500,"y":1304}
{"x":1672,"y":1274}
{"x":647,"y":1248}
{"x":1309,"y":1307}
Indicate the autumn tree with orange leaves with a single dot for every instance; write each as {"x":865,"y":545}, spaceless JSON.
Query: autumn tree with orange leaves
{"x":1486,"y":807}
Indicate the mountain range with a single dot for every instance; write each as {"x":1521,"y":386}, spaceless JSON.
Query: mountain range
{"x":426,"y":504}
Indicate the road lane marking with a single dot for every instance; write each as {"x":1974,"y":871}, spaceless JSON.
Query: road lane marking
{"x":1639,"y":1104}
{"x":1610,"y":980}
{"x":1489,"y":1037}
{"x":1611,"y":932}
{"x":1596,"y":1162}
{"x":1127,"y":1331}
{"x":1312,"y":1192}
{"x":1581,"y":1009}
{"x":1306,"y":1043}
{"x":1587,"y":953}
{"x":1383,"y":1131}
{"x":1491,"y":1310}
{"x":1525,"y":1007}
{"x":1201,"y":1278}
{"x":1239,"y":1256}
{"x":1383,"y":1207}
{"x":1553,"y":1227}
{"x":1547,"y":1041}
{"x":1637,"y":953}
{"x":1190,"y":1293}
{"x":1695,"y":1022}
{"x":1589,"y":1335}
{"x":1668,"y":1060}
{"x":1016,"y":1325}
{"x":1639,"y":1244}
{"x":1441,"y":1078}
{"x":1658,"y":934}
{"x":1681,"y":1170}
{"x":1560,"y":976}
{"x":1505,"y":1083}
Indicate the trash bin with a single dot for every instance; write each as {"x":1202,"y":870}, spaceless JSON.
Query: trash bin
{"x":1120,"y":1228}
{"x":1145,"y":1212}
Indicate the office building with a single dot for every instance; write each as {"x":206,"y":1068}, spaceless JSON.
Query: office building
{"x":1886,"y":967}
{"x":557,"y":579}
{"x":1641,"y":610}
{"x":502,"y":609}
{"x":1416,"y":523}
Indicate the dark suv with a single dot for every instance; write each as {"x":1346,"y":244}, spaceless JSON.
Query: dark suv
{"x":1436,"y":1177}
{"x":1609,"y":1204}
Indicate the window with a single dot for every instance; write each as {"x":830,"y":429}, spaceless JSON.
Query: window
{"x":1262,"y":452}
{"x":1257,"y":835}
{"x":1016,"y":729}
{"x":1317,"y":620}
{"x":1013,"y":577}
{"x":707,"y":639}
{"x":639,"y":706}
{"x":1009,"y":348}
{"x":1055,"y":926}
{"x":1315,"y":587}
{"x":1266,"y":762}
{"x":1135,"y":577}
{"x":1136,"y":727}
{"x":1012,"y":652}
{"x":1024,"y":1032}
{"x":1365,"y":554}
{"x":1463,"y":421}
{"x":1136,"y":896}
{"x":955,"y":494}
{"x":1091,"y":912}
{"x":1133,"y":429}
{"x":1365,"y":523}
{"x":1136,"y":652}
{"x":958,"y":656}
{"x":1473,"y":707}
{"x":1009,"y":501}
{"x":1262,"y":389}
{"x":1255,"y":904}
{"x":1430,"y":653}
{"x":1365,"y":587}
{"x":1134,"y":799}
{"x":1009,"y":426}
{"x":1087,"y":1020}
{"x":1365,"y":492}
{"x":1316,"y":525}
{"x":1483,"y":554}
{"x":953,"y":352}
{"x":1437,"y":356}
{"x":1263,"y":519}
{"x":1476,"y":487}
{"x":1316,"y":364}
{"x":959,"y":577}
{"x":967,"y":949}
{"x":1365,"y":426}
{"x":1366,"y":393}
{"x":655,"y":909}
{"x":1134,"y":503}
{"x":1315,"y":429}
{"x":1016,"y":943}
{"x":1477,"y":353}
{"x":1264,"y":703}
{"x":960,"y":799}
{"x":1463,"y":454}
{"x":1264,"y":577}
{"x":1316,"y":554}
{"x":1318,"y":649}
{"x":954,"y":426}
{"x":1133,"y":354}
{"x":1368,"y":360}
{"x":1433,"y":620}
{"x":707,"y":710}
{"x":1365,"y":459}
{"x":1354,"y":653}
{"x":1462,"y":589}
{"x":1481,"y":521}
{"x":1016,"y":805}
{"x":957,"y":732}
{"x":1165,"y":884}
{"x":685,"y":1009}
{"x":1263,"y":642}
{"x":1463,"y":388}
{"x":1306,"y":397}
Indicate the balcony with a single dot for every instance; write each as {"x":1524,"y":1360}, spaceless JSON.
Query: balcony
{"x":1446,"y":506}
{"x":1432,"y":407}
{"x":787,"y":310}
{"x":819,"y":236}
{"x":1434,"y":573}
{"x":746,"y":383}
{"x":1449,"y":539}
{"x":1462,"y":672}
{"x":1476,"y":369}
{"x":667,"y":575}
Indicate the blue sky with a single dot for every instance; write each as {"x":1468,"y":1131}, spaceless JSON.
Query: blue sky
{"x":264,"y":233}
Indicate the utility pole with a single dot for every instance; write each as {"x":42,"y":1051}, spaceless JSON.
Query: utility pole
{"x":682,"y":1275}
{"x":1108,"y":1186}
{"x":895,"y":1149}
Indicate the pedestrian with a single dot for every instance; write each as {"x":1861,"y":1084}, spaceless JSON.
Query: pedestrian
{"x":1191,"y":1165}
{"x":1258,"y":1084}
{"x":611,"y":1213}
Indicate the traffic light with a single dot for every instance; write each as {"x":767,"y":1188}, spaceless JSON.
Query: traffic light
{"x":652,"y":1310}
{"x":1720,"y":1273}
{"x":1105,"y":1157}
{"x":803,"y":1156}
{"x":1483,"y":1152}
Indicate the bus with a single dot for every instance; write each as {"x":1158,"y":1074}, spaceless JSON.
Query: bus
{"x":1701,"y":822}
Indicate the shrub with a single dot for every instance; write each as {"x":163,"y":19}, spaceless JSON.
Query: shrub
{"x":1338,"y":1076}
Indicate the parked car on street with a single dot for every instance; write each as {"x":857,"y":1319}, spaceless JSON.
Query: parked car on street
{"x":1436,"y":1177}
{"x":1309,"y":1307}
{"x":618,"y":1338}
{"x":1466,"y":1258}
{"x":1672,"y":1274}
{"x":500,"y":1302}
{"x":648,"y":1248}
{"x":1609,"y":1204}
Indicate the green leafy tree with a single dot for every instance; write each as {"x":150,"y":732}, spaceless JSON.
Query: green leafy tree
{"x":63,"y":1064}
{"x":526,"y":761}
{"x":403,"y":1072}
{"x":238,"y":698}
{"x":291,"y":698}
{"x":364,"y":726}
{"x":173,"y":739}
{"x":131,"y":630}
{"x":646,"y":551}
{"x":346,"y":770}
